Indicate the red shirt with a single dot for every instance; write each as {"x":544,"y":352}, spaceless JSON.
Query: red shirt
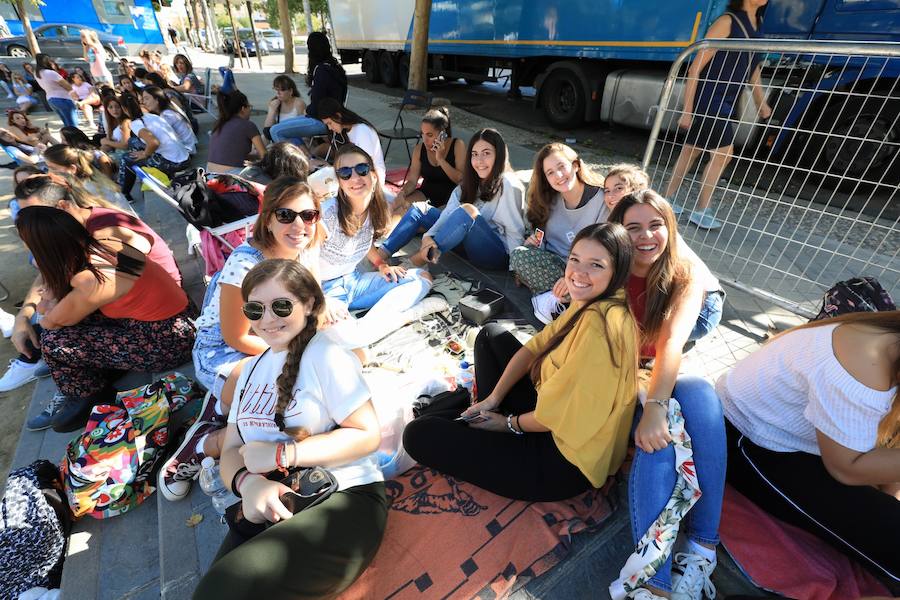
{"x":636,"y":291}
{"x":154,"y":297}
{"x":101,"y":218}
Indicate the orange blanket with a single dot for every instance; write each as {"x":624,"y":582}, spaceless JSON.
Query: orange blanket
{"x":448,"y":538}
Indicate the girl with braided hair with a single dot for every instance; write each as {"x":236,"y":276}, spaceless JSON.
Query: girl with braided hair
{"x":302,"y":403}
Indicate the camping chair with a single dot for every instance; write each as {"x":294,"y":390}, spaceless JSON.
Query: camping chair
{"x":400,"y":131}
{"x":206,"y":102}
{"x":158,"y":188}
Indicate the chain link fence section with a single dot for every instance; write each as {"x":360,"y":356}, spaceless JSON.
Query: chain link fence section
{"x":810,"y":196}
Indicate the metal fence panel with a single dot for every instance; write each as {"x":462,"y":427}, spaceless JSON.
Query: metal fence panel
{"x":810,"y":197}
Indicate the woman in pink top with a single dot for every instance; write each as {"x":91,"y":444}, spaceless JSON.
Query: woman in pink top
{"x":95,"y":54}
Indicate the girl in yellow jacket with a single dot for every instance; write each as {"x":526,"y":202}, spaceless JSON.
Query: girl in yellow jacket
{"x":555,"y":414}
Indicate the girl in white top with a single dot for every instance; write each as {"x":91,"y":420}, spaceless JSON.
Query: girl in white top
{"x":95,"y":54}
{"x":813,"y":420}
{"x":118,"y":127}
{"x":485,"y":215}
{"x":57,"y":90}
{"x":286,"y":104}
{"x":303,"y":403}
{"x":85,"y":97}
{"x":155,"y":101}
{"x":564,"y":197}
{"x":347,"y":126}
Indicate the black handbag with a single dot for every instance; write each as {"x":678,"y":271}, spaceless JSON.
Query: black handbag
{"x":310,"y":486}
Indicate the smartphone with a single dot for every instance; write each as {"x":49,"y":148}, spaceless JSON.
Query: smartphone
{"x":441,"y":138}
{"x":454,"y":348}
{"x":539,"y":236}
{"x":476,"y":418}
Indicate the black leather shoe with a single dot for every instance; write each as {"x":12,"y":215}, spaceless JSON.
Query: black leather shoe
{"x":72,"y":415}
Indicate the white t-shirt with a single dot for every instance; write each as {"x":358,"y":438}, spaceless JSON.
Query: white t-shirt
{"x":340,"y":252}
{"x":49,"y":80}
{"x":169,"y":146}
{"x":329,"y":388}
{"x":794,"y":385}
{"x":182,"y":128}
{"x":84,"y":90}
{"x":367,"y":138}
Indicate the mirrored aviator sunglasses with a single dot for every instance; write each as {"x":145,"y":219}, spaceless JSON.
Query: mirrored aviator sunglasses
{"x":345,"y":173}
{"x":281,"y":307}
{"x":287,"y":216}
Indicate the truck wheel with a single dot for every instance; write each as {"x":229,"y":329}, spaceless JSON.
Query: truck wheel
{"x":403,"y":66}
{"x":370,"y":66}
{"x":387,"y":66}
{"x":863,"y":141}
{"x":563,"y":99}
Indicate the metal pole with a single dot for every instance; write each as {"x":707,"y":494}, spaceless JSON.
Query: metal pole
{"x":418,"y":63}
{"x":253,"y":31}
{"x":234,"y":32}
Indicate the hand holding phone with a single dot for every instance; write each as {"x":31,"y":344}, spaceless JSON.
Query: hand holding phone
{"x":469,"y":419}
{"x":539,"y":236}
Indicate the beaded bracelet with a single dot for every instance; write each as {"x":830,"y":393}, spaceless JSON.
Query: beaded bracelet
{"x":510,"y":426}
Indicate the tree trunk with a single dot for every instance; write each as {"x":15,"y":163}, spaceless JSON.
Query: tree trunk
{"x":284,"y":15}
{"x":26,"y":25}
{"x":307,"y":12}
{"x":198,"y":22}
{"x":418,"y":61}
{"x":234,"y":32}
{"x":253,"y":32}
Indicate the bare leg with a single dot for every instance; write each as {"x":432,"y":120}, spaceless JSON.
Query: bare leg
{"x":88,"y":111}
{"x":713,"y":171}
{"x":683,"y":164}
{"x":212,"y":443}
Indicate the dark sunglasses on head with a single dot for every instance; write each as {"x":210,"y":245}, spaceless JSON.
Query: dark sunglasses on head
{"x":288,"y":216}
{"x":345,"y":173}
{"x":281,"y":307}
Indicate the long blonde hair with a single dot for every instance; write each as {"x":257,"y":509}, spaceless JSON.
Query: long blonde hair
{"x":541,"y":195}
{"x":670,"y":274}
{"x":888,"y":435}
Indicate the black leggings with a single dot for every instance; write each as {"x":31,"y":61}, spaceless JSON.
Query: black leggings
{"x":860,"y":521}
{"x":524,"y":467}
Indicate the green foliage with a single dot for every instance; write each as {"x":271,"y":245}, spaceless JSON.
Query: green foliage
{"x":295,"y":7}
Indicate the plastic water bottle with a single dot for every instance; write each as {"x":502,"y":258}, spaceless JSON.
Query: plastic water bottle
{"x":465,"y":377}
{"x":211,"y":483}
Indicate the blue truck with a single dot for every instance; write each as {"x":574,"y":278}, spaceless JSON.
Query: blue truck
{"x":603,"y":60}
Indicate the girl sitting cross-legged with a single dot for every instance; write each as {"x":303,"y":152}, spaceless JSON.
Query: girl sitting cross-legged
{"x":320,"y":413}
{"x":554,"y":416}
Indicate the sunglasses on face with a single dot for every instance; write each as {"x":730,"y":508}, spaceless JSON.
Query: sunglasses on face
{"x":345,"y":173}
{"x":281,"y":307}
{"x":286,"y":216}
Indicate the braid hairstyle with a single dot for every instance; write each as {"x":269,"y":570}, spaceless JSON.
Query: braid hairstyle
{"x":615,"y":239}
{"x":303,"y":285}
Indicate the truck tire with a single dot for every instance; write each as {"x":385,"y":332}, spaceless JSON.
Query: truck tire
{"x":873,"y":157}
{"x":403,"y":66}
{"x":563,"y":99}
{"x":387,"y":66}
{"x":370,"y":66}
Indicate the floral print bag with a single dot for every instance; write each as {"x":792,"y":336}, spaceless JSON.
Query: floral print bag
{"x":109,"y":469}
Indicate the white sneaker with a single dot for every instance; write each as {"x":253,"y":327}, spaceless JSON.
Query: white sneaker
{"x":18,"y":374}
{"x":690,"y":577}
{"x":644,"y":594}
{"x":547,"y":307}
{"x":7,"y":322}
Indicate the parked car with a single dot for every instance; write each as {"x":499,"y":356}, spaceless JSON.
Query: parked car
{"x":248,"y":46}
{"x":274,"y":38}
{"x":62,"y":40}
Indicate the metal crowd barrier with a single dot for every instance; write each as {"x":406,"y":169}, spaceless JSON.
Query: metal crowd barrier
{"x":810,"y":196}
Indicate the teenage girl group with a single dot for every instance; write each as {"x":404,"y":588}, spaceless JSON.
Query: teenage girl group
{"x":807,"y":427}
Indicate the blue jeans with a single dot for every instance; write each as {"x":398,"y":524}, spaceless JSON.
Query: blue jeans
{"x":297,"y":127}
{"x":653,"y":476}
{"x":414,"y":221}
{"x":483,"y":246}
{"x":710,"y":315}
{"x":213,"y":359}
{"x":66,"y":110}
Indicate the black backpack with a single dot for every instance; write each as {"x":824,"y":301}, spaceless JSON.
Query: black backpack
{"x":35,"y":523}
{"x":860,"y":294}
{"x":211,"y":200}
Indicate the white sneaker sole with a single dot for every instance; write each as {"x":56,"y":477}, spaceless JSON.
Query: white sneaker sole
{"x":168,"y":494}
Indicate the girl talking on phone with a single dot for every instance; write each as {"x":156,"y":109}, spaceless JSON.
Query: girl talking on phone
{"x":543,"y":430}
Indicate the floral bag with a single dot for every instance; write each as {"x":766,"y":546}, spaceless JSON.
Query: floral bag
{"x":110,"y":468}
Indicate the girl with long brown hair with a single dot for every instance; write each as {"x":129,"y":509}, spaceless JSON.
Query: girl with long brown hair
{"x":564,"y":197}
{"x":554,"y":415}
{"x":79,"y":165}
{"x":673,"y":303}
{"x":287,"y":227}
{"x":302,"y":403}
{"x":813,"y":423}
